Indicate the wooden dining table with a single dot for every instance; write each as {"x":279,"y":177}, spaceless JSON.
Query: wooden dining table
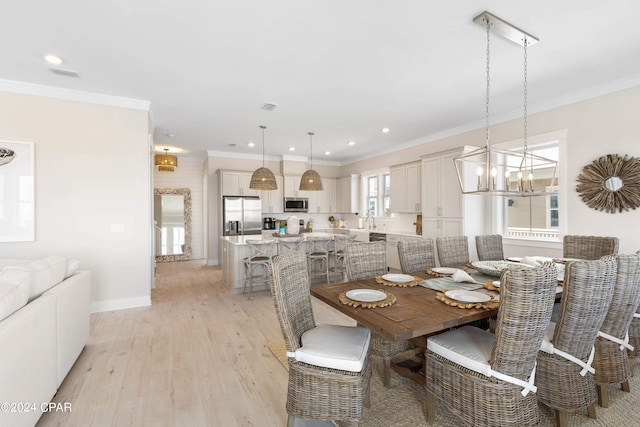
{"x":415,"y":315}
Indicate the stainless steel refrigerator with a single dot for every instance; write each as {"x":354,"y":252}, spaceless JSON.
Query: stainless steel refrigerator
{"x":241,"y":215}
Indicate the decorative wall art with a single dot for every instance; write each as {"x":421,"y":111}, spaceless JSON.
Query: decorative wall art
{"x":611,"y":183}
{"x":17,"y":199}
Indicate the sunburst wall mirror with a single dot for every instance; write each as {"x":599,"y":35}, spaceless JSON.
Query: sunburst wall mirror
{"x":611,"y":183}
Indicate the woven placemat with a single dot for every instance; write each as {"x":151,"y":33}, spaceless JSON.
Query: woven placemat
{"x":489,"y":305}
{"x":490,"y":286}
{"x":389,"y":300}
{"x":415,"y":282}
{"x":434,"y":274}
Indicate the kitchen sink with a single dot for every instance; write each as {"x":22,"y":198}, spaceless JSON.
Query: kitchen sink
{"x":377,"y":237}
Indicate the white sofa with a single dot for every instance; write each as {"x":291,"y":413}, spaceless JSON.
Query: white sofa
{"x":40,"y":340}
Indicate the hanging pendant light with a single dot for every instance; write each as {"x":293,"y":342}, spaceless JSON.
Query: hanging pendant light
{"x":489,"y":165}
{"x":263,"y":178}
{"x":166,"y":162}
{"x":310,"y":180}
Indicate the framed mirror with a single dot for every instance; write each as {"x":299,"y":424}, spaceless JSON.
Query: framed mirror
{"x":172,"y":217}
{"x":611,"y":183}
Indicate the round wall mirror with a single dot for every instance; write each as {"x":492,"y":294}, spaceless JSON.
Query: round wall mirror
{"x":611,"y":183}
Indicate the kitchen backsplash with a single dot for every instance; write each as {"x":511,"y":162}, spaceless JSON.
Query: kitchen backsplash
{"x":398,"y":222}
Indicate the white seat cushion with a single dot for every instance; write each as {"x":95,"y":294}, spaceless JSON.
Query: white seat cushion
{"x":14,"y":291}
{"x":467,"y":346}
{"x":336,"y":347}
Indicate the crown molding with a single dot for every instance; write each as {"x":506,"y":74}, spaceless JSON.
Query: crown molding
{"x":284,"y":157}
{"x":73,"y":95}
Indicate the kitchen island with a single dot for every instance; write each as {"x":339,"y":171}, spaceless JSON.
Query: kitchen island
{"x":235,"y":250}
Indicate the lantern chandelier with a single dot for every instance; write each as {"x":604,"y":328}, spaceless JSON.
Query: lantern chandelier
{"x":500,"y":171}
{"x":263,"y":178}
{"x":310,"y":180}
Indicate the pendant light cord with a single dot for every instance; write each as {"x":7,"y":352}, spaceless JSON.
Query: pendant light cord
{"x":311,"y":153}
{"x":488,"y":85}
{"x":263,"y":127}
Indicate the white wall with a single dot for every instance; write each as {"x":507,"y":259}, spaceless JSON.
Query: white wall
{"x":92,"y":170}
{"x":189,"y":175}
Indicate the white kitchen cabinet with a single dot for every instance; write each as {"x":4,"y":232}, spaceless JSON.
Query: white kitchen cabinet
{"x":272,"y":200}
{"x":348,"y":194}
{"x":406,"y":188}
{"x":324,"y":201}
{"x":291,"y":185}
{"x":236,"y":183}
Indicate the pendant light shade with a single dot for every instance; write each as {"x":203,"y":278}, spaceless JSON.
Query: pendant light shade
{"x":310,"y":180}
{"x":263,"y":178}
{"x":166,"y":162}
{"x":496,"y":172}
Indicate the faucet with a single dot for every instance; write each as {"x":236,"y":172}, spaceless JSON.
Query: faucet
{"x":372,"y":219}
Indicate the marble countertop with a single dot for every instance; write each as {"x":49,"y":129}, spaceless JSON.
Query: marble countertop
{"x":242,"y":240}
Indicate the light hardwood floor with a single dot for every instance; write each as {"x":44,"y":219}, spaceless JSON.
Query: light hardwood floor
{"x":196,"y":357}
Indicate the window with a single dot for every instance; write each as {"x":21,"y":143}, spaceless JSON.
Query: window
{"x":534,"y":218}
{"x":377,"y":192}
{"x":372,"y":195}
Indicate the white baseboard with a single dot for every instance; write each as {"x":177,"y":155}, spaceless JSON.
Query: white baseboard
{"x":120,"y":304}
{"x":211,"y":262}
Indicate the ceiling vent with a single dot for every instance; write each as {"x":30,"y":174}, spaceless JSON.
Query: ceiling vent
{"x":68,"y":73}
{"x":269,"y":107}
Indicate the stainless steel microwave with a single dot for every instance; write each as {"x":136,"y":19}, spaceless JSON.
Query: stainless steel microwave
{"x":296,"y":204}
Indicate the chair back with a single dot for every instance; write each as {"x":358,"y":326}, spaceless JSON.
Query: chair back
{"x":261,"y":249}
{"x":587,"y":292}
{"x":526,"y":303}
{"x":289,"y":244}
{"x":489,"y":247}
{"x":366,"y":260}
{"x":626,"y":297}
{"x":589,"y":247}
{"x":318,"y":246}
{"x":452,"y":250}
{"x":340,"y":241}
{"x":416,"y":255}
{"x":291,"y":297}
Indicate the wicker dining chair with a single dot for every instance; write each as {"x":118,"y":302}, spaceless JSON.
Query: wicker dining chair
{"x":487,"y":379}
{"x":416,"y":255}
{"x":589,"y":247}
{"x":329,"y":365}
{"x":452,"y":250}
{"x":611,"y":361}
{"x":634,"y":340}
{"x":567,"y":385}
{"x":366,"y":260}
{"x":489,"y":247}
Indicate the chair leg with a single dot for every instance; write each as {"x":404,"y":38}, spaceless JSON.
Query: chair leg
{"x":603,"y":395}
{"x":591,"y":411}
{"x":430,"y":407}
{"x":367,"y":397}
{"x":561,"y":419}
{"x":625,"y":386}
{"x":386,"y":371}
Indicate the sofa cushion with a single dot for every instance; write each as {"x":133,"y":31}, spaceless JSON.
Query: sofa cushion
{"x":14,"y":291}
{"x":72,"y":267}
{"x":43,"y":274}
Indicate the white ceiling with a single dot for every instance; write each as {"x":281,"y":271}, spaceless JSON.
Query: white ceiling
{"x":343,"y":69}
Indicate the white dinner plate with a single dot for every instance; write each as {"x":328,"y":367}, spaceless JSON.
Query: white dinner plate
{"x":514,"y":258}
{"x":467,"y":296}
{"x":445,"y":270}
{"x":398,"y":278}
{"x":494,"y":268}
{"x":366,"y":295}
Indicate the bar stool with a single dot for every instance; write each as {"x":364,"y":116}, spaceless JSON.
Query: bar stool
{"x":260,"y":254}
{"x":318,"y":252}
{"x":338,"y":252}
{"x":290,"y":244}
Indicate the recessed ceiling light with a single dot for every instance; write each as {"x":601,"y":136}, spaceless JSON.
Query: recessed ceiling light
{"x":327,"y":153}
{"x":251,"y":144}
{"x":351,"y":143}
{"x":385,"y":130}
{"x":53,"y":59}
{"x":292,"y":148}
{"x":169,"y":135}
